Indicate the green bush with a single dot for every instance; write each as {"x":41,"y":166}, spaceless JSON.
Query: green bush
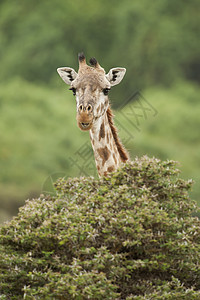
{"x":130,"y":235}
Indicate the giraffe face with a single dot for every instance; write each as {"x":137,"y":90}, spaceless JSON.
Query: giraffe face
{"x":91,"y":92}
{"x":90,"y":86}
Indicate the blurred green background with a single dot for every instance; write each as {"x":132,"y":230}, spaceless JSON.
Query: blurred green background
{"x":158,"y":42}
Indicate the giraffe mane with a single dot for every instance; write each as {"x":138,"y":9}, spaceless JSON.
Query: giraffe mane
{"x":122,"y":151}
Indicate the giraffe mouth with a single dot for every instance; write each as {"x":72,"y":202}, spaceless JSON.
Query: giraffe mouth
{"x":85,"y":125}
{"x":84,"y":121}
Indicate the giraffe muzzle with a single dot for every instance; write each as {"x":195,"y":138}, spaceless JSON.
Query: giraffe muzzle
{"x":85,"y":117}
{"x":85,"y":125}
{"x":84,"y":121}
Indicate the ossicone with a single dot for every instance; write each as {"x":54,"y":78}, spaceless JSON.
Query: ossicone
{"x":81,"y":57}
{"x":93,"y":61}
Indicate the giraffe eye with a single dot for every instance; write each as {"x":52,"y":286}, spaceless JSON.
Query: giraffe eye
{"x":73,"y":90}
{"x":105,"y":91}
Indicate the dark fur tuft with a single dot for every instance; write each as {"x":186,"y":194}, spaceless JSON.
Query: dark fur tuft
{"x":93,"y":61}
{"x":122,"y":151}
{"x":81,"y":57}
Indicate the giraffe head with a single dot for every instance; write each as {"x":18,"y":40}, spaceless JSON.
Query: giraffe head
{"x":90,"y":86}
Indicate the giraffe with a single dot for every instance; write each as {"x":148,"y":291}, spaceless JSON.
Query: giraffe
{"x":91,"y":86}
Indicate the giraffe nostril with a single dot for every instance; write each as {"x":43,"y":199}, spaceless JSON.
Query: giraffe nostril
{"x":83,"y":108}
{"x":89,"y":108}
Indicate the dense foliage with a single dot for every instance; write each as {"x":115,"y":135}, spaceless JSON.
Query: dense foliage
{"x":158,"y":42}
{"x":128,"y":236}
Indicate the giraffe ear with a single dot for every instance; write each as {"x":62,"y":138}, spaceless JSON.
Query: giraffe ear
{"x":67,"y":74}
{"x":115,"y":75}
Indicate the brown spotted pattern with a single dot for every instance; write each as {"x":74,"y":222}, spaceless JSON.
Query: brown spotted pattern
{"x":111,"y":169}
{"x":102,"y":131}
{"x":122,"y":151}
{"x":108,"y":150}
{"x":104,"y":153}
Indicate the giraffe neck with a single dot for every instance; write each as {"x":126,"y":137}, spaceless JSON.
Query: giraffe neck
{"x":109,"y":153}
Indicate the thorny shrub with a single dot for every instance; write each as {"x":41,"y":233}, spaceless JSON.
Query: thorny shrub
{"x":130,"y":235}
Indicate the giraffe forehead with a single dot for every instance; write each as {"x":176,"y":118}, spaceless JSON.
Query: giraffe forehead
{"x":92,"y":93}
{"x":88,"y":94}
{"x":91,"y":82}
